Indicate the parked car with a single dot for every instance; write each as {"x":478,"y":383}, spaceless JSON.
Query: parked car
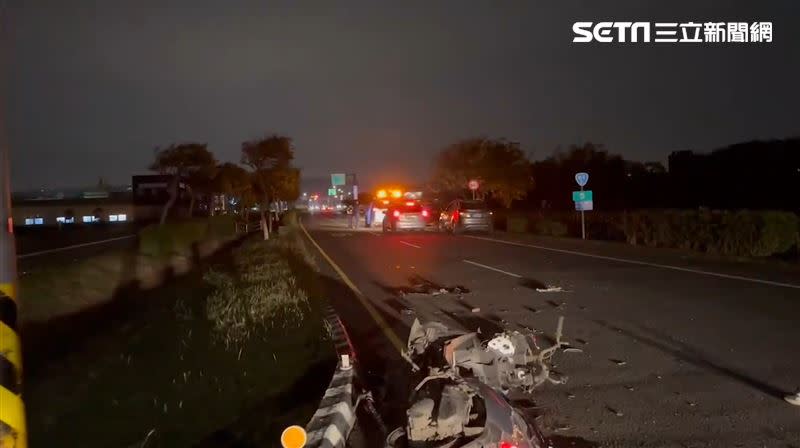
{"x":408,"y":215}
{"x":464,"y":215}
{"x":432,"y":210}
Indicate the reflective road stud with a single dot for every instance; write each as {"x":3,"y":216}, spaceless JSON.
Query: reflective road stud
{"x":294,"y":437}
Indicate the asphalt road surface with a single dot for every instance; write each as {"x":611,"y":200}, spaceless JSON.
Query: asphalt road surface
{"x":679,"y":350}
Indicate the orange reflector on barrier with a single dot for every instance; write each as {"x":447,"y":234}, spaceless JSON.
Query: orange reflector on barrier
{"x":294,"y":437}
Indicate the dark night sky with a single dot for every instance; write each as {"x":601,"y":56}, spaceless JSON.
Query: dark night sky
{"x":375,"y":87}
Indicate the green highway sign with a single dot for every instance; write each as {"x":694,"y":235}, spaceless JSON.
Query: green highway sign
{"x":337,"y":179}
{"x":331,"y":192}
{"x":582,"y":196}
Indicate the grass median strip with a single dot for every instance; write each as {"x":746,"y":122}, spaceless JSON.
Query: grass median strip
{"x":233,"y":350}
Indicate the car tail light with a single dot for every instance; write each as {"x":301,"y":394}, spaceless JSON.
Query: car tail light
{"x":455,"y":215}
{"x":425,"y":213}
{"x":396,"y":213}
{"x":507,"y":445}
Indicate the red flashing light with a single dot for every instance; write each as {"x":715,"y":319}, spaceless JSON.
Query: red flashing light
{"x":425,"y":213}
{"x":507,"y":445}
{"x":396,"y":213}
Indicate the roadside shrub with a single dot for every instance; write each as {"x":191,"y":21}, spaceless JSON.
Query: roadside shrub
{"x":738,"y":234}
{"x":599,"y":225}
{"x":551,"y":228}
{"x":742,"y":233}
{"x":517,"y":224}
{"x":777,"y":235}
{"x":745,"y":233}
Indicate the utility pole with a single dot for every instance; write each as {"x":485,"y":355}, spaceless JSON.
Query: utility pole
{"x":12,"y":410}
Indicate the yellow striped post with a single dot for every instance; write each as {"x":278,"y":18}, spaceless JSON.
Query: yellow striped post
{"x":12,"y":409}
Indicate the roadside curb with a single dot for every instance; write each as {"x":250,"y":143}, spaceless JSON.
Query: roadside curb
{"x":335,"y":417}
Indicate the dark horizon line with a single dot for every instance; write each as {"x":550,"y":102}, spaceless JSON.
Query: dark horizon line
{"x":320,"y":178}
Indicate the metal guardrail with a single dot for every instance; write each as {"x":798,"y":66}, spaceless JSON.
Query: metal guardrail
{"x":247,"y":227}
{"x":331,"y":425}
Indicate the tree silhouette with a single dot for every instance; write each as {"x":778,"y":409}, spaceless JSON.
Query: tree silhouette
{"x":275,"y":179}
{"x":190,"y":162}
{"x":500,"y":167}
{"x":232,"y":180}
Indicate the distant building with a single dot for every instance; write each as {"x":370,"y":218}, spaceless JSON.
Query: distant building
{"x":142,"y":202}
{"x":151,"y":193}
{"x":112,"y":209}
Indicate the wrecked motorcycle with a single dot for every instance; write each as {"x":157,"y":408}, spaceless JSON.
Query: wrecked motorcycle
{"x":461,"y":398}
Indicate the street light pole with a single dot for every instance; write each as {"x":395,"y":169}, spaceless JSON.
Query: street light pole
{"x":12,"y":409}
{"x":12,"y":412}
{"x":583,"y":221}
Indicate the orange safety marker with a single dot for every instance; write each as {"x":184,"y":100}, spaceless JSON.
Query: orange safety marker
{"x":294,"y":437}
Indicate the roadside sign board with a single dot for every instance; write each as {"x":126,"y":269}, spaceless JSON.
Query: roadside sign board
{"x":331,"y":192}
{"x":584,"y":206}
{"x":337,"y":179}
{"x":473,"y":185}
{"x":580,"y":196}
{"x":582,"y":178}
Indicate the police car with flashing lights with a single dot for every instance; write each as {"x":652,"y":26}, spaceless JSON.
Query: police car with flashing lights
{"x":377,"y":209}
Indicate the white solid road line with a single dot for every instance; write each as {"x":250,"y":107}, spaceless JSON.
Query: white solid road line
{"x":492,"y":269}
{"x":412,"y":245}
{"x":642,"y":263}
{"x":75,"y":246}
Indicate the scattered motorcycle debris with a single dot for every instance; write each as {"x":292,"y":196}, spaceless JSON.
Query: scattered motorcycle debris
{"x":420,"y":285}
{"x":461,"y":398}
